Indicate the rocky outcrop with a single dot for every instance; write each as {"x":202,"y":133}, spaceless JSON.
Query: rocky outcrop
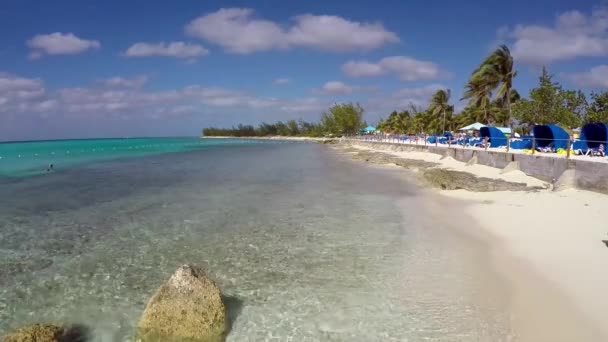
{"x":36,"y":333}
{"x":385,"y":158}
{"x":454,"y":180}
{"x":188,"y":307}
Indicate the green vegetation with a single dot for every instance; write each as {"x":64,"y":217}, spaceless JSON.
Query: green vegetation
{"x":491,"y":100}
{"x":338,"y":120}
{"x":549,"y":103}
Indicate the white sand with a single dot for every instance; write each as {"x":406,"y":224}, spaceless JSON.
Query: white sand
{"x":557,"y":237}
{"x":558,"y":234}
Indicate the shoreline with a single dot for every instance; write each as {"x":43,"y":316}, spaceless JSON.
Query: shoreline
{"x":275,"y":137}
{"x":546,"y":244}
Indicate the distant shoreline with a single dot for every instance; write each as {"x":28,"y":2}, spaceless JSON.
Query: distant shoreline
{"x":274,"y":137}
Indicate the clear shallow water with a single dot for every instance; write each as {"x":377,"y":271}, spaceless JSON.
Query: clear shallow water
{"x":308,"y":246}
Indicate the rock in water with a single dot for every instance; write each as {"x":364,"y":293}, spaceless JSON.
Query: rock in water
{"x":35,"y":333}
{"x":188,"y":307}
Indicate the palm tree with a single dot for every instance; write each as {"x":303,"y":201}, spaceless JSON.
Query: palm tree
{"x":479,"y":95}
{"x":440,"y":103}
{"x":500,"y":108}
{"x":497,"y":72}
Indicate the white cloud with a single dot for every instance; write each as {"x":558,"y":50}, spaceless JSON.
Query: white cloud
{"x":417,"y":95}
{"x":573,"y":34}
{"x":135,"y":82}
{"x":237,"y":31}
{"x":162,"y":49}
{"x":597,"y":77}
{"x":406,"y":68}
{"x":58,"y":43}
{"x":401,"y":99}
{"x":305,"y":106}
{"x":279,"y":81}
{"x":336,"y":88}
{"x":19,"y":94}
{"x":335,"y":33}
{"x":126,"y":98}
{"x":362,"y":69}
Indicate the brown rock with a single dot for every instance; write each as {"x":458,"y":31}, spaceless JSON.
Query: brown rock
{"x":188,"y":307}
{"x":35,"y":333}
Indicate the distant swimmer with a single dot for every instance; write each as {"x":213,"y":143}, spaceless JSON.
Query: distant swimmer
{"x":50,"y":168}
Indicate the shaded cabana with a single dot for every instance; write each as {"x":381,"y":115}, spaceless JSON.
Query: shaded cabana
{"x":594,"y":134}
{"x":550,"y":135}
{"x":496,"y":138}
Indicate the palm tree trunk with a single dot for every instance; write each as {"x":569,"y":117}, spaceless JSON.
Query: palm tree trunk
{"x":443,"y":122}
{"x":485,"y":109}
{"x":509,"y":109}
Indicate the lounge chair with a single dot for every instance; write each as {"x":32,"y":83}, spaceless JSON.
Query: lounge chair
{"x":547,"y":149}
{"x":599,"y":151}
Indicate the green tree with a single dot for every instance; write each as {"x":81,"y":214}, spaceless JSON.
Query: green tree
{"x":479,"y":95}
{"x":440,"y":107}
{"x":598,"y":109}
{"x":292,"y":127}
{"x":282,"y":128}
{"x":343,"y":119}
{"x":497,"y":72}
{"x":549,"y":103}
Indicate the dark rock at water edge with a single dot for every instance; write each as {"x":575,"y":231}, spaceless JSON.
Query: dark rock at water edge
{"x":385,"y":158}
{"x":454,"y":180}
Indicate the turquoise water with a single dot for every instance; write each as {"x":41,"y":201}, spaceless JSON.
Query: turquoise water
{"x":306,"y":244}
{"x":34,"y":157}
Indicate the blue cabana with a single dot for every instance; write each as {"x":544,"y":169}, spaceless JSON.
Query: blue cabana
{"x":496,"y":138}
{"x":369,"y":129}
{"x":594,"y":134}
{"x":545,"y":135}
{"x":524,"y":143}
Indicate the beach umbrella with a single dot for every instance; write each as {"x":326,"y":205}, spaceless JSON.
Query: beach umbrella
{"x":473,"y":127}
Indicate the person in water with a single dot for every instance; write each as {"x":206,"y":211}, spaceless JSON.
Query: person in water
{"x":50,"y":168}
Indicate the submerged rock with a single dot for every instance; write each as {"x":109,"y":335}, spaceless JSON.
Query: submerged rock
{"x":48,"y":333}
{"x":35,"y":333}
{"x":188,"y":307}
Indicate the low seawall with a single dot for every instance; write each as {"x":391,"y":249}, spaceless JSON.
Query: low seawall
{"x":586,"y":175}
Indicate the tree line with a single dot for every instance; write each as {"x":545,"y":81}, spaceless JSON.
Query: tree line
{"x":491,"y":100}
{"x":338,"y":120}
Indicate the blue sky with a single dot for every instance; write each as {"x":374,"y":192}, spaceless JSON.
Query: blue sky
{"x":72,"y":69}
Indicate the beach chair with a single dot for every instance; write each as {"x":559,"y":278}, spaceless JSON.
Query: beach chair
{"x":599,"y":151}
{"x":547,"y":149}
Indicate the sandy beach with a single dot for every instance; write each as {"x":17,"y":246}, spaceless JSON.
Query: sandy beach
{"x":548,"y":244}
